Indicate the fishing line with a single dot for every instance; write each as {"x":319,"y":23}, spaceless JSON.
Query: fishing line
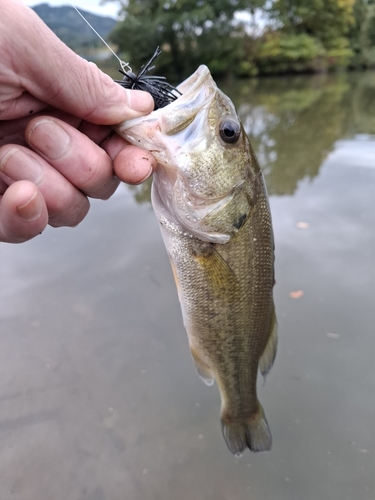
{"x":124,"y":65}
{"x":162,"y":92}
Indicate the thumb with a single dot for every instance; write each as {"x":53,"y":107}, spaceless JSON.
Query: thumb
{"x":54,"y":74}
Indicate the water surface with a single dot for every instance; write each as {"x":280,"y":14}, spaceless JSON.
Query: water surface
{"x":99,"y":399}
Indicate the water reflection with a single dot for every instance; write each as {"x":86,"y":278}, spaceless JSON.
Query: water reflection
{"x":362,"y":104}
{"x":293,"y":123}
{"x":99,"y":397}
{"x":142,"y":193}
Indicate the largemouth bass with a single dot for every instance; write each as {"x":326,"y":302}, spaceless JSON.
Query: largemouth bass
{"x":211,"y":202}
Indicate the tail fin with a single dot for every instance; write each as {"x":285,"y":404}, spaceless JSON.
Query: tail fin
{"x":250,"y":432}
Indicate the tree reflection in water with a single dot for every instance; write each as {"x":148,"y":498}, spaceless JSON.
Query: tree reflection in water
{"x":294,"y":122}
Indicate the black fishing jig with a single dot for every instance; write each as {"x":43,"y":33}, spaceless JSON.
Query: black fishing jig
{"x":162,"y":92}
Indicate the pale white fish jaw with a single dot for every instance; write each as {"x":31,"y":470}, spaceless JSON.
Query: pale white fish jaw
{"x":149,"y":131}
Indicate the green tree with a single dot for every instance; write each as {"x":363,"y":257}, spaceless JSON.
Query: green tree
{"x":190,"y":32}
{"x":362,"y":34}
{"x":326,"y":21}
{"x":299,"y":36}
{"x":285,"y":53}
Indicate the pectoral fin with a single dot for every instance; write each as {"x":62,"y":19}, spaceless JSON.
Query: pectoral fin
{"x":269,"y":353}
{"x":218,"y":273}
{"x":203,"y":370}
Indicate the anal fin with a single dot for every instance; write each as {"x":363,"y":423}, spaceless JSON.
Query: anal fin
{"x":202,"y":369}
{"x":268,"y":357}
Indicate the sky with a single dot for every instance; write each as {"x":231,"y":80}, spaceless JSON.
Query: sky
{"x":109,"y":9}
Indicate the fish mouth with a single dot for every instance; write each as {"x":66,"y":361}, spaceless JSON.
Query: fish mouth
{"x":192,"y":84}
{"x":150,"y":132}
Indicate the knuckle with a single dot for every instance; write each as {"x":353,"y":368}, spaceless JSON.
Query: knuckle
{"x":99,"y":179}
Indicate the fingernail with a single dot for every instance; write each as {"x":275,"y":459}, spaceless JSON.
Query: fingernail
{"x":49,"y":138}
{"x":146,"y":176}
{"x":140,"y":101}
{"x":18,"y":165}
{"x":32,"y":209}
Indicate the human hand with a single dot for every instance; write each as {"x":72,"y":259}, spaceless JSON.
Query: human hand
{"x":56,"y":147}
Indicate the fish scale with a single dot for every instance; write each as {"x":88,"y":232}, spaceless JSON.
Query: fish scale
{"x":211,"y":202}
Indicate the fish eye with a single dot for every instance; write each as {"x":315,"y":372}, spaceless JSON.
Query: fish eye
{"x":230,"y":131}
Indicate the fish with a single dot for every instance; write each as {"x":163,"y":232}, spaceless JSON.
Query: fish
{"x":210,"y":198}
